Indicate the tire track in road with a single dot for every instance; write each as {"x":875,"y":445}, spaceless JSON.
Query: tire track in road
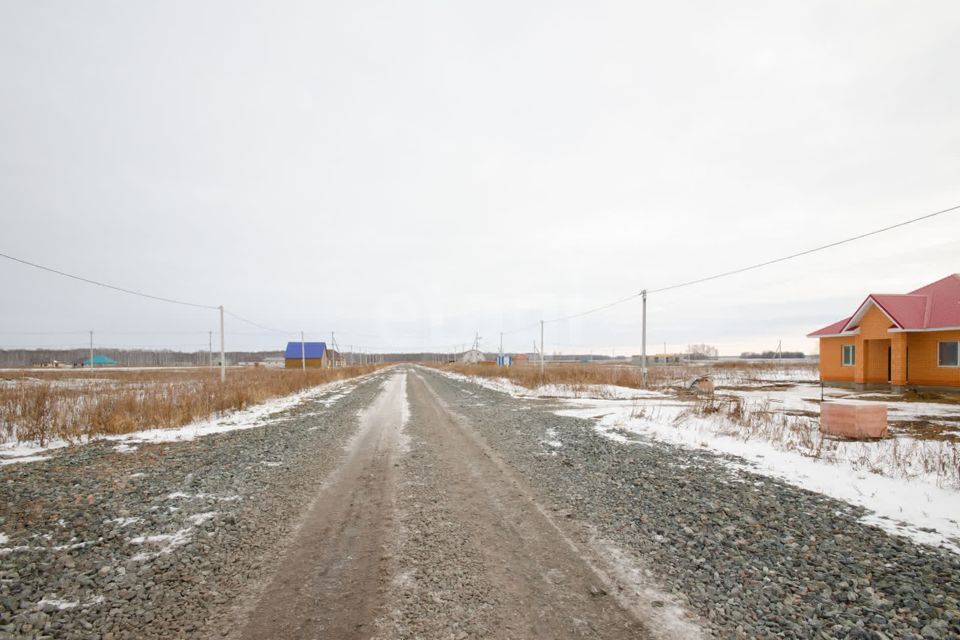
{"x":545,"y":585}
{"x":330,"y":581}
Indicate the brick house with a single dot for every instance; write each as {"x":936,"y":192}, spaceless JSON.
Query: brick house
{"x":897,"y":340}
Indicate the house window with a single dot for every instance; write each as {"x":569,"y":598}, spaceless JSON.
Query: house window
{"x":848,"y":355}
{"x":948,"y":354}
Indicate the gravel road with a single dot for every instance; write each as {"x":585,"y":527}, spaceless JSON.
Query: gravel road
{"x":169,"y":540}
{"x":412,"y":505}
{"x":752,"y":556}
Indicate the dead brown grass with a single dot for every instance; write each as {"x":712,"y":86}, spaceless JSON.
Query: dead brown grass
{"x":39,"y":407}
{"x":624,"y":375}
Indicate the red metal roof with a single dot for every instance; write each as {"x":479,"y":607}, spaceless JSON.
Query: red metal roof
{"x":830,"y":329}
{"x":935,"y":306}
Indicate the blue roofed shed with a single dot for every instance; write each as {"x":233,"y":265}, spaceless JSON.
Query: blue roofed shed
{"x":100,"y":361}
{"x":313,"y":354}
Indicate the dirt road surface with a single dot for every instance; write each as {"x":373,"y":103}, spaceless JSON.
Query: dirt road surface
{"x":368,"y":563}
{"x":329,"y":582}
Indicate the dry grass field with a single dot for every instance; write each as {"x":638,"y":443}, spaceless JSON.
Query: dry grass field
{"x":624,"y":375}
{"x":39,"y":406}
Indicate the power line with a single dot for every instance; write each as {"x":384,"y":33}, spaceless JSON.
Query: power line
{"x":594,"y":310}
{"x":532,"y":325}
{"x":259,"y":326}
{"x":105,"y":285}
{"x":743,"y":269}
{"x":807,"y":252}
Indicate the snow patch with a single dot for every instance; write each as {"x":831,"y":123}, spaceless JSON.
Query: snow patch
{"x":914,"y":507}
{"x":5,"y":460}
{"x":59,"y":604}
{"x":504,"y":385}
{"x":552,"y":438}
{"x":670,"y":619}
{"x":125,"y":522}
{"x":404,"y":437}
{"x":198,"y":519}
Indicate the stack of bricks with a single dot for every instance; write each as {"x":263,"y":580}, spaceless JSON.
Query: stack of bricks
{"x":851,"y":420}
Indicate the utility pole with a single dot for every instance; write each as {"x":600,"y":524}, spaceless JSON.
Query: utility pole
{"x":210,"y":350}
{"x":331,"y":346}
{"x":223,"y":355}
{"x":643,"y":352}
{"x":303,"y":353}
{"x":91,"y":350}
{"x":541,"y":350}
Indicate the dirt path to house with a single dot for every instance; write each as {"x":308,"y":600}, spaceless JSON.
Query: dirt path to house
{"x":483,"y":559}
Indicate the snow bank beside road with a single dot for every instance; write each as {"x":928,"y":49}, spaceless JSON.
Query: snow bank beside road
{"x":255,"y":416}
{"x":555,"y":390}
{"x":915,"y":507}
{"x":892,"y":478}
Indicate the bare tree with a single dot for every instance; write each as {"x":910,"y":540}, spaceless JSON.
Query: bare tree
{"x":702,"y":352}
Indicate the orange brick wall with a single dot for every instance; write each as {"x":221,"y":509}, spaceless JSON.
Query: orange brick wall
{"x":875,"y":360}
{"x":871,"y":355}
{"x":922,"y":359}
{"x":875,"y":325}
{"x":831,"y":358}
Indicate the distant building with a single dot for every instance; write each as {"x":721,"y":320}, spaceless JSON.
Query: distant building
{"x":313,"y":354}
{"x":473,"y":356}
{"x":274,"y":361}
{"x":100,"y":361}
{"x":660,"y":358}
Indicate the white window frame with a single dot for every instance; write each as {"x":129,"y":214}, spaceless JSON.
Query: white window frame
{"x":843,"y":355}
{"x":948,"y":366}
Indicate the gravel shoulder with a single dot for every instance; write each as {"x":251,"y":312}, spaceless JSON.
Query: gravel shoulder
{"x":751,"y":556}
{"x":163,"y":540}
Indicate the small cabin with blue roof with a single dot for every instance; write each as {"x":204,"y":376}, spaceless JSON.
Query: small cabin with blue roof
{"x":313,"y":354}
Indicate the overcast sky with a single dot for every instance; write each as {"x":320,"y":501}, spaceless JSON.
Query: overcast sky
{"x":409,"y":173}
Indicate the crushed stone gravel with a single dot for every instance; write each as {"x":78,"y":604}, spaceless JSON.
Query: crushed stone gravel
{"x":166,"y":540}
{"x":752,"y":556}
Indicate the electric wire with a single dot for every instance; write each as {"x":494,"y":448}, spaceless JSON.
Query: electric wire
{"x":105,"y":285}
{"x":260,"y":326}
{"x":506,"y":332}
{"x":806,"y":252}
{"x":759,"y":265}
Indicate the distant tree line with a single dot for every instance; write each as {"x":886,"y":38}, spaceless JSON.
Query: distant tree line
{"x":772,"y":355}
{"x":125,"y":357}
{"x":702,"y":352}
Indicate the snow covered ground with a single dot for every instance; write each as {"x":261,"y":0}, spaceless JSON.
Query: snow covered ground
{"x":557,"y":390}
{"x":806,"y":396}
{"x":255,"y":416}
{"x":911,"y":487}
